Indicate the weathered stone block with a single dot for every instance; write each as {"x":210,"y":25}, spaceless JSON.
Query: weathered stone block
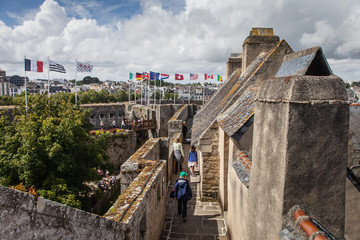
{"x":206,"y":148}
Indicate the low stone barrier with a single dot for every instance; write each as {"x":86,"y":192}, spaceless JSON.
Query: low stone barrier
{"x":25,"y":217}
{"x":142,"y":204}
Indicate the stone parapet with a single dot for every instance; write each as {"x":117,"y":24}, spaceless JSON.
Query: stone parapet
{"x":25,"y":217}
{"x":147,"y":155}
{"x":142,"y":207}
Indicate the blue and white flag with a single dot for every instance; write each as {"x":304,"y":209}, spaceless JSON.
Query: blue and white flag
{"x":154,"y":75}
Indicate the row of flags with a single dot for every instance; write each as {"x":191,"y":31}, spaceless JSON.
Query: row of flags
{"x":38,"y":66}
{"x":163,"y":76}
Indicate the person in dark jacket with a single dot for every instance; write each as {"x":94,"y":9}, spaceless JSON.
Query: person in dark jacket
{"x":182,"y":194}
{"x":184,"y":130}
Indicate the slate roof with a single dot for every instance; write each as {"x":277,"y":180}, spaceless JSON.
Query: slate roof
{"x":310,"y":61}
{"x":233,"y":89}
{"x":208,"y":114}
{"x":235,"y":118}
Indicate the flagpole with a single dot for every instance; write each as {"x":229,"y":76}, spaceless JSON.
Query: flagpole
{"x":160,"y":90}
{"x":203,"y":93}
{"x":174,"y":93}
{"x":155,"y":90}
{"x":135,"y":92}
{"x":26,"y":103}
{"x":148,"y":103}
{"x":49,"y":78}
{"x":129,"y":90}
{"x":189,"y":95}
{"x":141,"y":92}
{"x":75,"y":81}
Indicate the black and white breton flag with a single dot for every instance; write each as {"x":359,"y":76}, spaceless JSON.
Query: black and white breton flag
{"x":55,"y":67}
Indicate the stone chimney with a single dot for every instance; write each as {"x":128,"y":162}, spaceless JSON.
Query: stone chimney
{"x":260,"y":40}
{"x":234,"y":63}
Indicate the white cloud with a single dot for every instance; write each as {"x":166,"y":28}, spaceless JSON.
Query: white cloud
{"x":196,"y":36}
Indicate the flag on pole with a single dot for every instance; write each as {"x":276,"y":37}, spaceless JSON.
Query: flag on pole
{"x":179,"y":77}
{"x":219,"y":78}
{"x":84,"y":67}
{"x":209,"y":76}
{"x":131,"y":75}
{"x":154,"y":75}
{"x":55,"y":67}
{"x":139,"y":76}
{"x":146,"y":76}
{"x":33,"y":66}
{"x":164,"y":76}
{"x":194,"y":76}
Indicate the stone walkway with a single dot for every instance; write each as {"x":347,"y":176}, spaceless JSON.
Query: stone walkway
{"x":204,"y":219}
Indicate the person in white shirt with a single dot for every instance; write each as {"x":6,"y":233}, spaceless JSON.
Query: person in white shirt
{"x":178,"y":155}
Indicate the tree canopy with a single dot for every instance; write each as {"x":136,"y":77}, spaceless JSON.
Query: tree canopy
{"x":50,"y":147}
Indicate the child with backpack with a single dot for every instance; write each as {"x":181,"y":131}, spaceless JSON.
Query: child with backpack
{"x":182,"y":194}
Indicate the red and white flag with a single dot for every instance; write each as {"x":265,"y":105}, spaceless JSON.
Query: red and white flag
{"x":209,"y":76}
{"x":179,"y":77}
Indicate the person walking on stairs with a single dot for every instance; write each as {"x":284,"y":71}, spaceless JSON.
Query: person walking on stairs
{"x":193,"y":160}
{"x":182,"y":194}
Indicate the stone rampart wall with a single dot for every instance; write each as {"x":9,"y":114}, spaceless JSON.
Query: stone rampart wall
{"x":209,"y":162}
{"x":139,"y":212}
{"x":237,"y":203}
{"x":147,"y":155}
{"x":176,"y":121}
{"x":108,"y":195}
{"x":107,"y":112}
{"x":142,"y":204}
{"x":163,"y":115}
{"x":354,"y":138}
{"x":24,"y":217}
{"x":120,"y":147}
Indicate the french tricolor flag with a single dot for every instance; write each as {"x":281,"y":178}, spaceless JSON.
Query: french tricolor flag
{"x":33,"y":66}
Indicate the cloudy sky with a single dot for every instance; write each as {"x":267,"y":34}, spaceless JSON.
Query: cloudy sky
{"x":169,"y":36}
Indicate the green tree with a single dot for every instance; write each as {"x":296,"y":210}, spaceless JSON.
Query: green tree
{"x":121,"y":95}
{"x":355,"y":84}
{"x":6,"y":100}
{"x":50,"y":148}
